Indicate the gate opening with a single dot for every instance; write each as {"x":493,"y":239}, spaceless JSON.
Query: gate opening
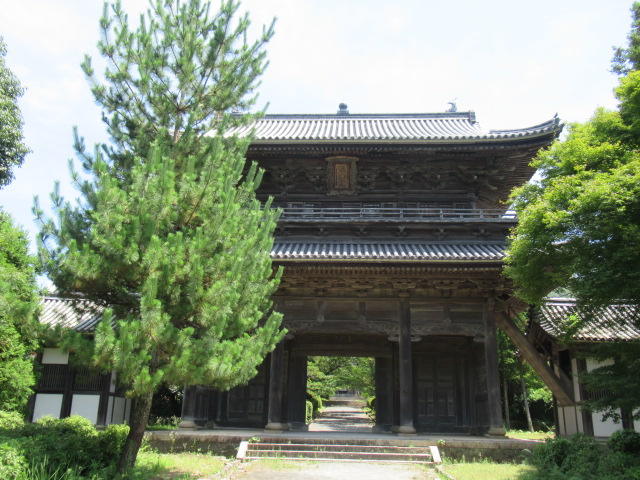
{"x":340,"y":393}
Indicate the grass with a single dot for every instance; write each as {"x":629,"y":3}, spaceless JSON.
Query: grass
{"x":487,"y":471}
{"x":276,"y":464}
{"x":527,"y":435}
{"x":177,"y":466}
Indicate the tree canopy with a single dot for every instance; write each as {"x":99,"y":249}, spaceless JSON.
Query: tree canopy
{"x":579,"y":226}
{"x":18,"y":303}
{"x":169,"y":235}
{"x":12,"y":147}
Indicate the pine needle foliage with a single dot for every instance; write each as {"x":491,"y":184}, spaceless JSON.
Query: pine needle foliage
{"x":168,"y":235}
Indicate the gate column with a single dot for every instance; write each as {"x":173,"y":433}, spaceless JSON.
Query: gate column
{"x":493,"y":375}
{"x":276,"y":389}
{"x":406,"y":372}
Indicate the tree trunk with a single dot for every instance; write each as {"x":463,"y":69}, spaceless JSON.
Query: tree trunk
{"x":139,"y":419}
{"x":505,"y":393}
{"x":526,"y":402}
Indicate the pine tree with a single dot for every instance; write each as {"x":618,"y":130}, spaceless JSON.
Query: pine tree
{"x":169,"y":235}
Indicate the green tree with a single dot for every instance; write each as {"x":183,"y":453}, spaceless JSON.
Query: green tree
{"x":18,"y":303}
{"x":328,"y":374}
{"x":169,"y":235}
{"x":579,"y":226}
{"x":12,"y":148}
{"x":526,"y":399}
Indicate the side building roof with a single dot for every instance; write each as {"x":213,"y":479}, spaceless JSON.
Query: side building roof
{"x":81,"y":315}
{"x":613,"y":323}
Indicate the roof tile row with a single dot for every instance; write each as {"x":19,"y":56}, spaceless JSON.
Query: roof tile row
{"x":383,"y":128}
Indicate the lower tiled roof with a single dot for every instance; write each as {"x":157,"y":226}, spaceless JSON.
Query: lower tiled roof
{"x":81,"y":315}
{"x":613,"y":323}
{"x":404,"y":252}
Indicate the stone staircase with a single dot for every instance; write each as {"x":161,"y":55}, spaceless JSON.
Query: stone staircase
{"x":348,"y":451}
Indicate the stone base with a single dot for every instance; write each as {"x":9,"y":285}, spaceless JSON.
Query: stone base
{"x":277,"y":427}
{"x":298,"y":427}
{"x":496,"y":432}
{"x":405,"y":430}
{"x":190,"y":424}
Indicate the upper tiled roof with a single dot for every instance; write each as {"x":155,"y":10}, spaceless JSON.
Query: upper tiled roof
{"x":382,"y":128}
{"x":81,"y":315}
{"x":386,"y":251}
{"x":613,"y":323}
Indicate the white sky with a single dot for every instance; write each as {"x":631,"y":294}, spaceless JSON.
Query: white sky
{"x":515,"y":63}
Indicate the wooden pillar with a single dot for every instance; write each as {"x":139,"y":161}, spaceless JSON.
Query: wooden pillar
{"x":189,"y":401}
{"x":384,"y":394}
{"x":103,"y":404}
{"x":297,"y":393}
{"x":276,"y":389}
{"x":493,"y":375}
{"x":406,"y":372}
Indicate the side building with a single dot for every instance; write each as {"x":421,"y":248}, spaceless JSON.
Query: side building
{"x":66,"y":388}
{"x":547,"y":331}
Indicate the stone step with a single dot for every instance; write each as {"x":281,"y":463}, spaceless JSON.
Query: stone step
{"x":339,"y":452}
{"x":337,"y":447}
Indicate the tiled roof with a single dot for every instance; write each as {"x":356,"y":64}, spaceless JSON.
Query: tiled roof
{"x":613,"y":323}
{"x":403,"y":252}
{"x":81,"y":315}
{"x":382,"y":128}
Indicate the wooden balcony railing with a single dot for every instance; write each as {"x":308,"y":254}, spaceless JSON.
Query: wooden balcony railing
{"x":394,"y":214}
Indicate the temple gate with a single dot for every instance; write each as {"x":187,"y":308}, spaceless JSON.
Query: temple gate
{"x":392,"y":239}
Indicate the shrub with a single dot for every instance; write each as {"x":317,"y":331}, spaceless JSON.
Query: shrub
{"x":12,"y":461}
{"x":308,"y":412}
{"x":582,"y":458}
{"x":573,"y":457}
{"x":59,"y":445}
{"x":316,"y":402}
{"x":10,"y":420}
{"x":625,"y":441}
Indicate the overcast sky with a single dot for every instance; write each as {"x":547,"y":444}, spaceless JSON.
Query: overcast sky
{"x":515,"y":63}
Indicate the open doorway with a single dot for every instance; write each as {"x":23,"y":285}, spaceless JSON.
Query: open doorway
{"x":340,"y":393}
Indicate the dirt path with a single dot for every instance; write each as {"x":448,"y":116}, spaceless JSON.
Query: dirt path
{"x":342,"y":418}
{"x":331,"y":471}
{"x":335,"y":418}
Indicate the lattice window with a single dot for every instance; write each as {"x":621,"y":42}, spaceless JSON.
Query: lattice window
{"x":53,"y":377}
{"x":87,"y":381}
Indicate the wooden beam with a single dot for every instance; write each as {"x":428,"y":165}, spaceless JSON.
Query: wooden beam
{"x":560,"y":387}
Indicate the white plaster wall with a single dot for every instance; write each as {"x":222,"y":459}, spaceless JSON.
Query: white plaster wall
{"x":592,"y":364}
{"x":574,"y":378}
{"x":127,"y":410}
{"x":561,"y":429}
{"x":570,"y":420}
{"x":55,"y":356}
{"x":86,"y":406}
{"x":636,"y":424}
{"x":119,"y":409}
{"x":47,"y":404}
{"x":606,"y":428}
{"x":109,"y":410}
{"x":602,"y":428}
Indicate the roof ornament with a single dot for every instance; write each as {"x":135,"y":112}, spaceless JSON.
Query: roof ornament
{"x":453,"y":108}
{"x":343,"y":109}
